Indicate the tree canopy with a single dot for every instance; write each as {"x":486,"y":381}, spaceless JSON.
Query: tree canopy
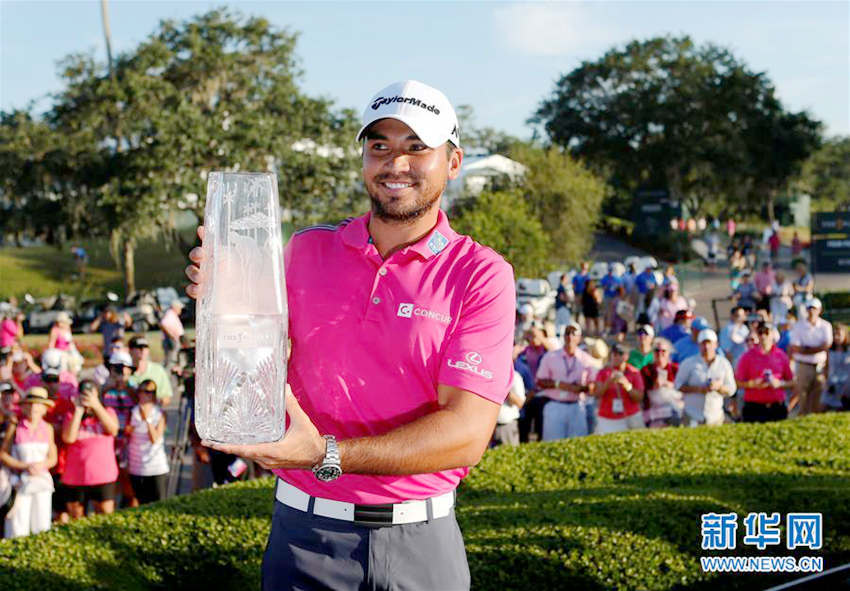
{"x":666,"y":113}
{"x":216,"y":92}
{"x":826,"y":175}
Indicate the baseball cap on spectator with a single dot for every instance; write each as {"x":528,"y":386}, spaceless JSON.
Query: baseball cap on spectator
{"x":6,"y":388}
{"x":121,"y":358}
{"x":646,"y":329}
{"x":707,"y":335}
{"x":63,"y":318}
{"x":700,"y":323}
{"x":746,"y":272}
{"x":575,"y":326}
{"x":422,"y":108}
{"x":814,"y":303}
{"x":51,"y":362}
{"x":618,"y":348}
{"x":138,"y":343}
{"x":526,"y":309}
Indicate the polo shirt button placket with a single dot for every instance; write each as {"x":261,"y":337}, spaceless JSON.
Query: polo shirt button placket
{"x":382,"y":272}
{"x":376,"y":300}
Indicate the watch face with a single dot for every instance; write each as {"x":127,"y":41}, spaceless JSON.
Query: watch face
{"x":328,"y":473}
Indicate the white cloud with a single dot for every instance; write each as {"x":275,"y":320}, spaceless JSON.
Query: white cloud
{"x":553,"y":28}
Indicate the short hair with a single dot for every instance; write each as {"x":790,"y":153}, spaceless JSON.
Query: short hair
{"x":663,"y":342}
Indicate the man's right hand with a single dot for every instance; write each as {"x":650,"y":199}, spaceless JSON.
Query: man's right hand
{"x":193,"y":271}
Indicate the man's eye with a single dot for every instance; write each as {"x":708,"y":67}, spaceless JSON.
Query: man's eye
{"x":378,"y":146}
{"x":417,"y":147}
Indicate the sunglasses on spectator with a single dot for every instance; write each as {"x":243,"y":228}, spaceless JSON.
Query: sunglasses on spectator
{"x":148,"y":390}
{"x":661,"y":350}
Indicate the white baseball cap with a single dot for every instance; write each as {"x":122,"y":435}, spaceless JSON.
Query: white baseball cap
{"x":707,"y":334}
{"x":814,"y":303}
{"x":422,"y":108}
{"x":121,"y":358}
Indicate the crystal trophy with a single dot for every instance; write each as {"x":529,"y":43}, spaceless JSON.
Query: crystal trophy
{"x":241,"y":320}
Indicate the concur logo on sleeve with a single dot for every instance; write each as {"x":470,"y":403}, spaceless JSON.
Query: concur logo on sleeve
{"x":407,"y":310}
{"x":470,"y":363}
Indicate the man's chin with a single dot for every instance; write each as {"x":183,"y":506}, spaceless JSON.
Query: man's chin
{"x":394,"y":212}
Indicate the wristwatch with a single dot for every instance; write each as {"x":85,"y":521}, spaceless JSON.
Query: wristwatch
{"x":329,"y":468}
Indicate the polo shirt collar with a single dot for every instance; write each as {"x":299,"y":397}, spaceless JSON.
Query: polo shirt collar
{"x":356,"y":235}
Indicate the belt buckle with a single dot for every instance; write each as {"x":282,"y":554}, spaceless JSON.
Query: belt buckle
{"x":373,"y":515}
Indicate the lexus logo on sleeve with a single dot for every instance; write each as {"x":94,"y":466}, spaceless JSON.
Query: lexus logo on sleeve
{"x":473,"y":358}
{"x":471,"y":362}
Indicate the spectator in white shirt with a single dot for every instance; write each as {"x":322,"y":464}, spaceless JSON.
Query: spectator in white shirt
{"x":811,"y":338}
{"x":507,"y":423}
{"x":705,"y":380}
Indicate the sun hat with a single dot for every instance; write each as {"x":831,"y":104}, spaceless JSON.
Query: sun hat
{"x":38,"y":395}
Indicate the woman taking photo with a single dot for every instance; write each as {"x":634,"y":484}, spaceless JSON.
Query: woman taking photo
{"x":90,"y":467}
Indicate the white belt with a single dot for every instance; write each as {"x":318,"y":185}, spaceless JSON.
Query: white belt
{"x":375,"y":515}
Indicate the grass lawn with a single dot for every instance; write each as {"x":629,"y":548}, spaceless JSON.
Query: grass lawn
{"x":47,"y":270}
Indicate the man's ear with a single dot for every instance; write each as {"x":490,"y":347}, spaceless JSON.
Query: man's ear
{"x":455,"y":161}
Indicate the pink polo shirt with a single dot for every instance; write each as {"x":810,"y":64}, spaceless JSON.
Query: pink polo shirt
{"x":754,"y":363}
{"x":570,"y":369}
{"x":372,"y":339}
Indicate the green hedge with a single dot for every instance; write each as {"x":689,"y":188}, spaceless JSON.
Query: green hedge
{"x":612,"y":512}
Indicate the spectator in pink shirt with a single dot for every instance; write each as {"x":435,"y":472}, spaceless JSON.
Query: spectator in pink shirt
{"x":89,"y":431}
{"x":764,"y":280}
{"x":764,"y":373}
{"x":563,"y":377}
{"x":11,"y":329}
{"x":172,"y":330}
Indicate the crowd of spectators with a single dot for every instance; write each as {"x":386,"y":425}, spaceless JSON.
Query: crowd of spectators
{"x":76,"y":440}
{"x":775,"y":358}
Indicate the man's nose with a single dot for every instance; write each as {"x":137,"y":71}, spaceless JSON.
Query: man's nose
{"x":400,"y":162}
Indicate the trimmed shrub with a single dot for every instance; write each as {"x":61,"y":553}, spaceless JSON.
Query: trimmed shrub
{"x":602,"y":512}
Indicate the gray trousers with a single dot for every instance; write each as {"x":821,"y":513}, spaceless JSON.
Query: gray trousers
{"x":307,"y":551}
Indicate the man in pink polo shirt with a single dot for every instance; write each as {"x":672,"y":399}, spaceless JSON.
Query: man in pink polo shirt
{"x":563,"y":377}
{"x":401,"y":335}
{"x":765,"y":373}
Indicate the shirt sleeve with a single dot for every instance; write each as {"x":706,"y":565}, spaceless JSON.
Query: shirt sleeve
{"x":163,"y":386}
{"x":477,"y":356}
{"x":742,"y":372}
{"x":544,"y":368}
{"x":787,"y":374}
{"x":682,"y":375}
{"x":637,"y":381}
{"x":728,"y":376}
{"x":794,"y":337}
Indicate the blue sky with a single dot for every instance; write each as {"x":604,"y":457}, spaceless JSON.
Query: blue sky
{"x":500,"y":57}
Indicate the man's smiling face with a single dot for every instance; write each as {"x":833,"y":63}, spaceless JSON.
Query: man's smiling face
{"x":403,"y":176}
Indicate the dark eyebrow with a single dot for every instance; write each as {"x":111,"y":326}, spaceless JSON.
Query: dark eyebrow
{"x":372,"y":135}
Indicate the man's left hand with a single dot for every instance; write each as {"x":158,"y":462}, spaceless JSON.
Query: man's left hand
{"x":301,"y":448}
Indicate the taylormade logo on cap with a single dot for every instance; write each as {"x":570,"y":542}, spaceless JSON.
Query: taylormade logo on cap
{"x":424,"y":109}
{"x":401,"y":99}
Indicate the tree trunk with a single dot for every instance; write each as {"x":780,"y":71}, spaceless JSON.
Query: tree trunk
{"x":129,"y":264}
{"x":770,"y":214}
